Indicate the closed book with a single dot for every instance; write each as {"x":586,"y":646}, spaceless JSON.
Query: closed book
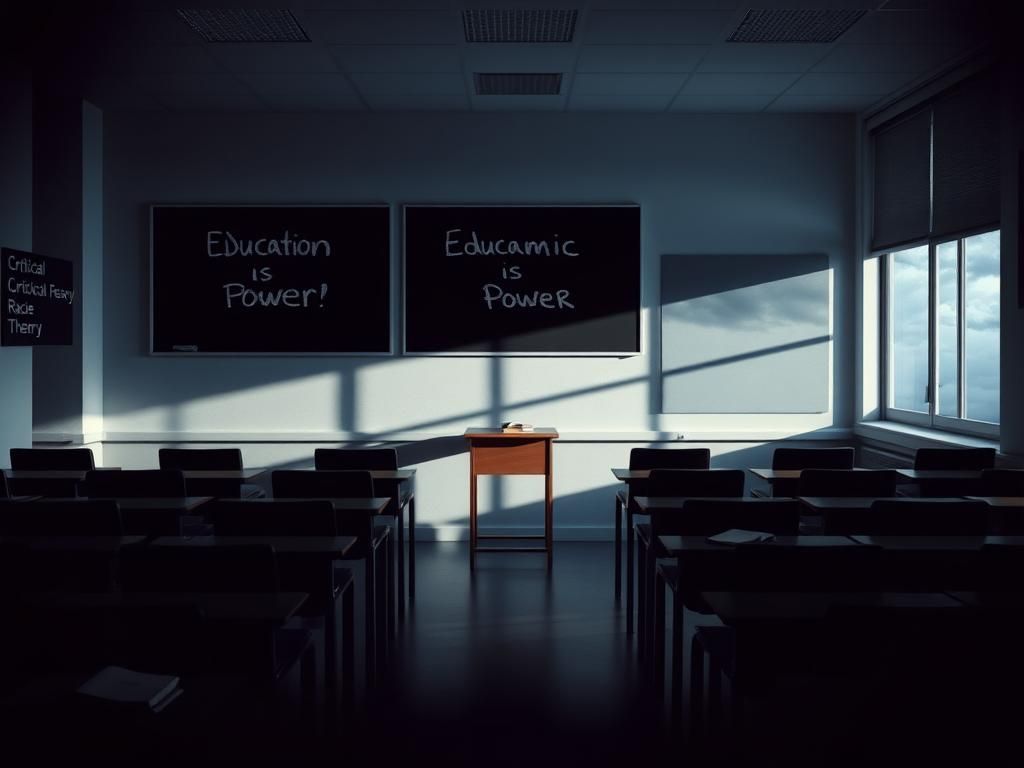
{"x":125,"y":686}
{"x":740,"y":536}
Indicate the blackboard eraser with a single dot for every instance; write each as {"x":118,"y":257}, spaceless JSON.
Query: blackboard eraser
{"x":185,"y":348}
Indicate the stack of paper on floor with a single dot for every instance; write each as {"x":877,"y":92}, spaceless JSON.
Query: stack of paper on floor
{"x":740,"y":536}
{"x":134,"y":689}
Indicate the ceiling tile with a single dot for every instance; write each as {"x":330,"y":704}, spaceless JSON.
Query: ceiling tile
{"x":120,"y":94}
{"x":397,"y":58}
{"x":721,"y":102}
{"x":667,"y":5}
{"x":384,"y":28}
{"x":656,"y":27}
{"x":714,"y":84}
{"x":517,"y":103}
{"x":417,"y":102}
{"x":212,"y":92}
{"x":639,"y":58}
{"x":152,"y":59}
{"x":822,"y":102}
{"x":273,"y":57}
{"x":887,"y":58}
{"x":918,"y":27}
{"x":520,"y":57}
{"x":412,"y":91}
{"x":627,"y":84}
{"x":619,"y":102}
{"x":762,"y":57}
{"x":304,"y":92}
{"x":879,"y":83}
{"x":142,"y":27}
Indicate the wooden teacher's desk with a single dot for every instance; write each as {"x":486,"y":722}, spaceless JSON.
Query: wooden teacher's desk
{"x":493,"y":451}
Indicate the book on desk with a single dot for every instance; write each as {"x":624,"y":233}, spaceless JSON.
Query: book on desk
{"x":740,"y":536}
{"x":516,"y":426}
{"x":134,"y":690}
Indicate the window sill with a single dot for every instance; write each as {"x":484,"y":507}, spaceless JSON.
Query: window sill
{"x":908,"y":436}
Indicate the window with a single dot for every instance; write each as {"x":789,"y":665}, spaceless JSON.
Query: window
{"x":935,"y":219}
{"x":942,"y":328}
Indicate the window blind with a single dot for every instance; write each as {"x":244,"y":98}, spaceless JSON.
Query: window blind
{"x":902,"y":181}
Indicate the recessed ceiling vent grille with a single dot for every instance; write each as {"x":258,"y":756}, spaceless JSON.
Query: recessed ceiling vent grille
{"x":778,"y":25}
{"x":244,"y":25}
{"x":519,"y":26}
{"x":517,"y":83}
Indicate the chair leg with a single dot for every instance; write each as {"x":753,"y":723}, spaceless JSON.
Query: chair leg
{"x":696,"y":690}
{"x":677,"y":658}
{"x":650,"y":566}
{"x":629,"y":571}
{"x":307,"y":674}
{"x":370,"y":604}
{"x":618,"y":550}
{"x":658,"y":665}
{"x":714,"y":699}
{"x":641,"y":594}
{"x":348,"y":637}
{"x":412,"y":547}
{"x":400,"y":524}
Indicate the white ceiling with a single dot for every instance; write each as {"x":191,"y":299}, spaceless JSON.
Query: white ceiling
{"x":646,"y":55}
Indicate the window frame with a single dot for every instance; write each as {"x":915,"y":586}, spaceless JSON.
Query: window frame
{"x":931,"y":419}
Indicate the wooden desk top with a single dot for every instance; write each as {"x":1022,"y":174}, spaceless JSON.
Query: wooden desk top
{"x":742,"y":607}
{"x":625,"y":474}
{"x":483,"y":433}
{"x":183,"y":504}
{"x":375,"y":505}
{"x":334,"y":547}
{"x":825,"y":503}
{"x":273,"y":607}
{"x":940,"y":474}
{"x":677,"y":546}
{"x":788,"y":474}
{"x":999,"y":501}
{"x":938,"y":543}
{"x":50,"y":474}
{"x":99,"y":544}
{"x":645,"y":503}
{"x":241,"y":475}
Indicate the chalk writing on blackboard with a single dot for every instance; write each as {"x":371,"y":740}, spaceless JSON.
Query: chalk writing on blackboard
{"x":36,"y":299}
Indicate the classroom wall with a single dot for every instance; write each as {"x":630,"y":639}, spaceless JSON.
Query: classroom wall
{"x":761,"y":184}
{"x":15,"y":232}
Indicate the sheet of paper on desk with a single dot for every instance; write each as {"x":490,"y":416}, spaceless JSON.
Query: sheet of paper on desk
{"x":740,"y":536}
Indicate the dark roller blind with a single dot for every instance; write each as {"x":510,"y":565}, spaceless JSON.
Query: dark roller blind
{"x":965,"y":193}
{"x":902,"y":181}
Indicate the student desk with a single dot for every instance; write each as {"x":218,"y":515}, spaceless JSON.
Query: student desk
{"x":324,"y":550}
{"x":493,"y":451}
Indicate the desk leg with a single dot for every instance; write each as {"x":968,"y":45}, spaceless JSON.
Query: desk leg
{"x":618,"y":549}
{"x":629,"y":571}
{"x":412,"y":547}
{"x":400,"y":522}
{"x":370,"y":601}
{"x":348,"y":665}
{"x":548,"y":507}
{"x":472,"y":519}
{"x":330,"y":642}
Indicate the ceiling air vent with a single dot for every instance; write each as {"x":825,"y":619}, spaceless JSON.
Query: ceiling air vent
{"x":244,"y":25}
{"x":519,"y":26}
{"x":813,"y":25}
{"x":517,"y":83}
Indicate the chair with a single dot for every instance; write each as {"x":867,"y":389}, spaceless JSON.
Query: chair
{"x":1001,"y":482}
{"x":847,"y":482}
{"x":805,"y":458}
{"x":231,"y":646}
{"x":911,"y":517}
{"x":210,"y":459}
{"x":374,"y":542}
{"x":72,"y":517}
{"x":135,"y":483}
{"x":52,"y":458}
{"x":952,"y":459}
{"x":401,"y":494}
{"x":682,"y":483}
{"x":645,"y":458}
{"x":774,"y":568}
{"x":4,"y":493}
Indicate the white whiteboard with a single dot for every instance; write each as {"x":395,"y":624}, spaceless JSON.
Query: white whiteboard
{"x":745,"y":333}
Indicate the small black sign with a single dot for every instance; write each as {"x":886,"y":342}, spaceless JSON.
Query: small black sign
{"x":36,"y":295}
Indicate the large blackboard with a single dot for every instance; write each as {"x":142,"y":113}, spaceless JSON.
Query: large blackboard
{"x":35,"y":299}
{"x":270,"y":279}
{"x":522,"y":279}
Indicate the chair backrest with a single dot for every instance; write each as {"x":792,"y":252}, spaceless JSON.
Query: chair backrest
{"x":73,"y":517}
{"x":200,"y":568}
{"x":696,"y":482}
{"x":803,"y":568}
{"x":236,"y":517}
{"x":321,"y":484}
{"x":670,"y":458}
{"x":52,"y":458}
{"x":812,"y":458}
{"x":879,"y":483}
{"x":355,"y":458}
{"x":911,"y":517}
{"x":705,"y":517}
{"x":955,"y":458}
{"x":200,"y":458}
{"x":134,"y":483}
{"x":1001,"y":482}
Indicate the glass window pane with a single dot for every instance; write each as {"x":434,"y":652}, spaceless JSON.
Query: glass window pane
{"x":946,"y":329}
{"x":981,"y":337}
{"x":908,"y":328}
